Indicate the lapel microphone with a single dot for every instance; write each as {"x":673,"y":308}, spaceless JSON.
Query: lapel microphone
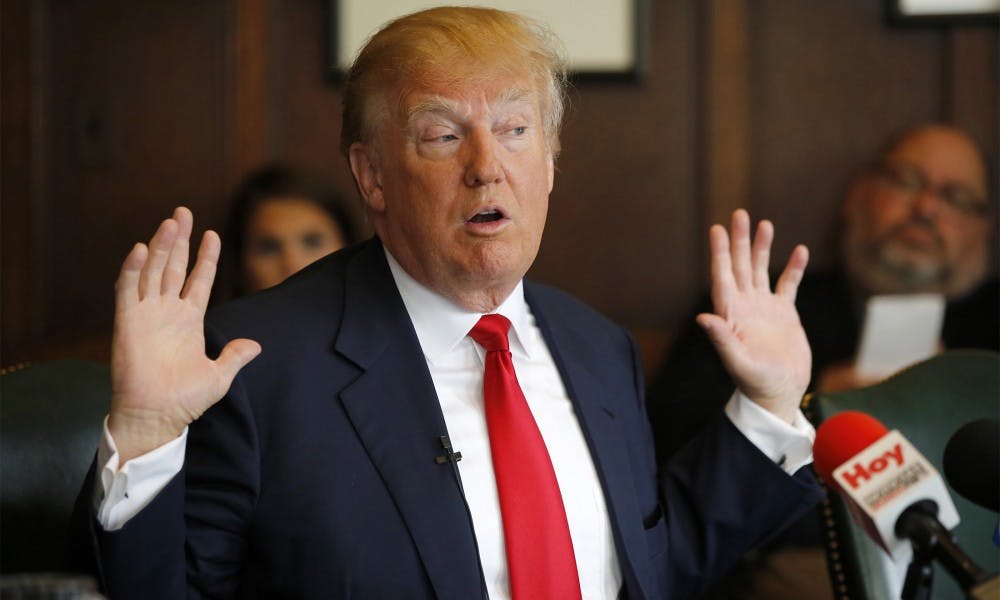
{"x":449,"y":455}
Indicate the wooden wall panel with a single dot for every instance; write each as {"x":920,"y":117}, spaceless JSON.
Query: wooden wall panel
{"x":21,"y":252}
{"x":249,"y":45}
{"x":114,"y":111}
{"x":972,"y":84}
{"x":134,"y":118}
{"x":623,"y":217}
{"x":725,"y":89}
{"x":309,"y":118}
{"x":830,"y":82}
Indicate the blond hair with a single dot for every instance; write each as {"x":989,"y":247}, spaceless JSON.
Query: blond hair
{"x":452,"y":44}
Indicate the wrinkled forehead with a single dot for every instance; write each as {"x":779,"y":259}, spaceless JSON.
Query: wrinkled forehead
{"x":491,"y":98}
{"x":459,"y":90}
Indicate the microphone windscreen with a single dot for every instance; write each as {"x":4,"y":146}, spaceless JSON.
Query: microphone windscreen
{"x":972,"y":462}
{"x":840,"y":437}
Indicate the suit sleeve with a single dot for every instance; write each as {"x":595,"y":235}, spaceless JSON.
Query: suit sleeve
{"x":191,"y":540}
{"x":721,"y":496}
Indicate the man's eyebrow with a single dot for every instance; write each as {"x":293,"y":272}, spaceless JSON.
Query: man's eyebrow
{"x":436,"y":104}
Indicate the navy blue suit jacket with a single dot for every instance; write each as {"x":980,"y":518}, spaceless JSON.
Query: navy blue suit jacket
{"x":316,"y":475}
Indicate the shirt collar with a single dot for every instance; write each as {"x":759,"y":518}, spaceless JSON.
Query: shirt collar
{"x":441,"y":324}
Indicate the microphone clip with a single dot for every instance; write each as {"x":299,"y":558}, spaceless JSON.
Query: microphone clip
{"x":449,"y":455}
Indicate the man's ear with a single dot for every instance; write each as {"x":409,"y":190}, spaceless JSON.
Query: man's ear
{"x":551,"y":170}
{"x":365,"y":167}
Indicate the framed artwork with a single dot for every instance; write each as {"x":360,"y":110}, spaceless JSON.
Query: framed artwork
{"x":604,"y":39}
{"x":943,"y":12}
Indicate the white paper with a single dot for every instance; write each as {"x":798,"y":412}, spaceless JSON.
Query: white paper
{"x":899,"y":330}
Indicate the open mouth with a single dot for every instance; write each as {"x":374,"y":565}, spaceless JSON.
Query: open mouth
{"x":486,"y":216}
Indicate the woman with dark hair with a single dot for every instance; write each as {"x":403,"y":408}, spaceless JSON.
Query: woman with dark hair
{"x":282,"y":220}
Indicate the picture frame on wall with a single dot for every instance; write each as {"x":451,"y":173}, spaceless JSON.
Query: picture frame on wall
{"x":943,"y":12}
{"x":604,"y":39}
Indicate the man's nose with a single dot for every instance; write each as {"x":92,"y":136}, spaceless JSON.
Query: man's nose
{"x":928,"y":202}
{"x":482,"y":161}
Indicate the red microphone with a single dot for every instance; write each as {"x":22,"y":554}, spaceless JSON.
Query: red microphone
{"x":880,"y":475}
{"x":841,"y":437}
{"x":895,"y":495}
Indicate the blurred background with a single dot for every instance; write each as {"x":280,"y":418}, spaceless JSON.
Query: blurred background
{"x":115,"y":111}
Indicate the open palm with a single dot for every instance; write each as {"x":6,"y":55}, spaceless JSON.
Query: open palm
{"x":757,"y":332}
{"x":161,"y":379}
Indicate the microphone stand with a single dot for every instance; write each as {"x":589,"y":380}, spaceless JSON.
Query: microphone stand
{"x":919,"y":575}
{"x":931,"y":540}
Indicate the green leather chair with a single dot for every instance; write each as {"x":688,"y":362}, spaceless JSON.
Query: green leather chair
{"x":927,"y":403}
{"x":51,"y":414}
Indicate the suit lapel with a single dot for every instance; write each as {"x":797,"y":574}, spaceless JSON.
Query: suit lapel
{"x":396,"y":413}
{"x":605,"y":436}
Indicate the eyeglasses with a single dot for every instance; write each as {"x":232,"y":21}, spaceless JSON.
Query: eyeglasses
{"x":912,"y":182}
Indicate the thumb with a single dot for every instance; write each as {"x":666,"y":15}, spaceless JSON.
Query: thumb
{"x":234,"y":357}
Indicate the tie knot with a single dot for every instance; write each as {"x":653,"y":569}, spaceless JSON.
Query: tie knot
{"x":491,"y":332}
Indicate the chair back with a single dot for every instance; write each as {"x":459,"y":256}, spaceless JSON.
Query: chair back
{"x":51,"y":415}
{"x":927,"y":403}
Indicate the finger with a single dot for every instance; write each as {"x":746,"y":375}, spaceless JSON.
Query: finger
{"x":762,"y":254}
{"x":722,"y":271}
{"x":740,"y":234}
{"x":199,"y":284}
{"x":173,"y":275}
{"x":234,"y":356}
{"x":788,"y":283}
{"x":127,"y":286}
{"x":159,"y":251}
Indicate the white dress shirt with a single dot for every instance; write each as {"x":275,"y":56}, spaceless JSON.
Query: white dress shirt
{"x":456,"y":363}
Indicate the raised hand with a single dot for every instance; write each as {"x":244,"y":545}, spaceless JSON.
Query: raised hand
{"x":161,"y":379}
{"x":757,"y":332}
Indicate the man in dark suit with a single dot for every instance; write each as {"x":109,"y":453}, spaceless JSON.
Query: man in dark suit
{"x":329,"y":466}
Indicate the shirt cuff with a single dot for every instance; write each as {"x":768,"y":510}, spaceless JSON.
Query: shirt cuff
{"x":127,"y":489}
{"x":787,"y":444}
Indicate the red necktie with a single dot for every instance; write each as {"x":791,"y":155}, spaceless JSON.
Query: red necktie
{"x":540,"y":556}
